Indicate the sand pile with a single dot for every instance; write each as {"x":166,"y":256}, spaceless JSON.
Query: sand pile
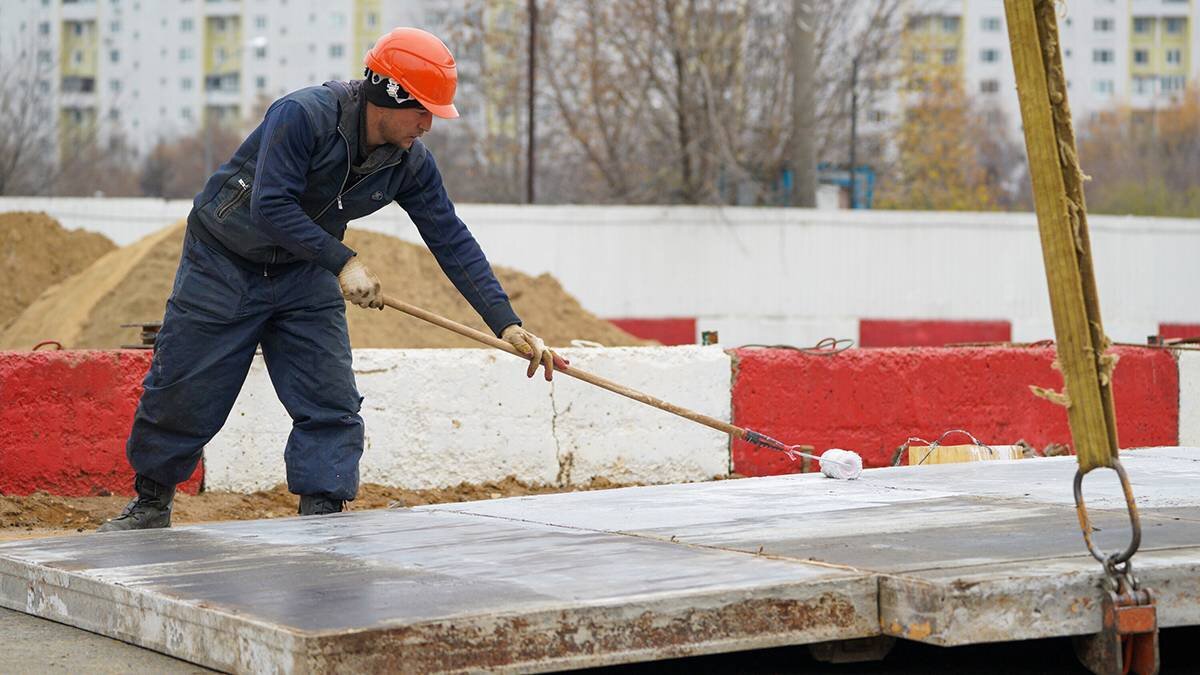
{"x":36,"y":253}
{"x":131,"y":285}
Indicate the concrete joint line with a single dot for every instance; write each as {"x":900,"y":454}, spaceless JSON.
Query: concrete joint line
{"x":566,"y":461}
{"x":666,"y":540}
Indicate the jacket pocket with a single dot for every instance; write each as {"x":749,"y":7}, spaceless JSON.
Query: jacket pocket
{"x":237,"y":199}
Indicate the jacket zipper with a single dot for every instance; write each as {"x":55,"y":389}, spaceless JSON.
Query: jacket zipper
{"x":243,"y":191}
{"x":342,"y":190}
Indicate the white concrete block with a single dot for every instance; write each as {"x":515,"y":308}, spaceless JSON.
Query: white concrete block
{"x":247,"y":454}
{"x":439,"y":417}
{"x":1189,"y":398}
{"x":600,"y":433}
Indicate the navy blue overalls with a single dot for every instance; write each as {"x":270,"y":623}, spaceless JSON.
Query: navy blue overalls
{"x":259,"y":267}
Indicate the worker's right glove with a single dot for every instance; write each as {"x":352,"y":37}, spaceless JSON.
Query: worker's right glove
{"x":359,"y":285}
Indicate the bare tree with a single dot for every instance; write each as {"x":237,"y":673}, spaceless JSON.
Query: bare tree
{"x":691,"y":100}
{"x":26,"y":140}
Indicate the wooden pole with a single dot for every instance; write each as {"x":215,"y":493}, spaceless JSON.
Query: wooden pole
{"x":1062,"y":222}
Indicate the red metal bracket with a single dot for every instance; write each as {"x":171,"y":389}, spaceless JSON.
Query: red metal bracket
{"x":1128,"y":639}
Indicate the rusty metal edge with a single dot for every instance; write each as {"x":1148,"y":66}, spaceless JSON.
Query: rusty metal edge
{"x":596,"y":634}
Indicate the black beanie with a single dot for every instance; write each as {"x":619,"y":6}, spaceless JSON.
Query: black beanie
{"x":376,"y":88}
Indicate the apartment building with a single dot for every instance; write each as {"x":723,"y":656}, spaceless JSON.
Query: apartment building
{"x":1135,"y":53}
{"x":155,"y":69}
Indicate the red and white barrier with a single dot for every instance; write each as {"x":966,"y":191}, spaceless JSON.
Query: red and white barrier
{"x":437,"y":417}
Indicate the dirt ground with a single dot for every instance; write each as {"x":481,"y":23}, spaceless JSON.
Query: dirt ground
{"x":41,"y":514}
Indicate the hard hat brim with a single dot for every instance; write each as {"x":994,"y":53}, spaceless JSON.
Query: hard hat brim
{"x":446,"y":112}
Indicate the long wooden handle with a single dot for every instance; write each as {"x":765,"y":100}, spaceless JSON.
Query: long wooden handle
{"x":480,"y":336}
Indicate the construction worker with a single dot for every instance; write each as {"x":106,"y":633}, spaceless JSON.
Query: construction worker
{"x":264,"y":264}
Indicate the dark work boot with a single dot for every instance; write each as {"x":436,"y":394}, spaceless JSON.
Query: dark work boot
{"x":150,"y":509}
{"x":320,"y":505}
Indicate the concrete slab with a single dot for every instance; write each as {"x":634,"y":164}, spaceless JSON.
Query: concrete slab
{"x":422,"y":591}
{"x":967,"y":553}
{"x":943,"y":554}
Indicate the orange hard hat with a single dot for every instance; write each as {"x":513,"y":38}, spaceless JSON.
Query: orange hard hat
{"x":420,"y":63}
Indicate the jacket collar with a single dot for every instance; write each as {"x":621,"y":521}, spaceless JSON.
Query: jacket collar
{"x":351,"y":116}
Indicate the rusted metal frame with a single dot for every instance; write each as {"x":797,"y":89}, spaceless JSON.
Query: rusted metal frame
{"x":1074,"y":301}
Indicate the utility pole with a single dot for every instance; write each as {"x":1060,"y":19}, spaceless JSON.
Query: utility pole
{"x":853,"y":127}
{"x":529,"y":148}
{"x":802,"y":153}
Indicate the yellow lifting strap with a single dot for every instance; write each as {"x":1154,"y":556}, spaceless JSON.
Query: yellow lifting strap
{"x":1062,"y":221}
{"x":1129,"y":640}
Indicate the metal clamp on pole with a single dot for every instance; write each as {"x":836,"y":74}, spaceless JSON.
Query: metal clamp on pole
{"x":1128,"y":638}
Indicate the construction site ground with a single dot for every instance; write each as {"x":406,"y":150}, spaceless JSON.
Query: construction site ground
{"x":947,"y":555}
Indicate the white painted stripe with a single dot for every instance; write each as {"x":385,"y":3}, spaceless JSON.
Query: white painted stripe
{"x":1189,"y":398}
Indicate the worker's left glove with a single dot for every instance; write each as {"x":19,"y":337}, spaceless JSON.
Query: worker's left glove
{"x":533,"y":347}
{"x":360,"y":285}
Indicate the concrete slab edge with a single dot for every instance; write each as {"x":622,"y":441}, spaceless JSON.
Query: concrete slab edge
{"x":192,"y":633}
{"x":599,"y":634}
{"x":999,"y":604}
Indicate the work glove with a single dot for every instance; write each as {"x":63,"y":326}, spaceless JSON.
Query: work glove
{"x":535,"y":349}
{"x":359,"y":285}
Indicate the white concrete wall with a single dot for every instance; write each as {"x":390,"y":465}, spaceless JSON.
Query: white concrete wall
{"x":786,"y":275}
{"x":439,"y":417}
{"x":1189,"y":398}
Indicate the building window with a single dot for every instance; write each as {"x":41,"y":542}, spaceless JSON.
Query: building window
{"x":1141,"y":56}
{"x":1103,"y":86}
{"x":114,"y":56}
{"x":876,"y":116}
{"x":218,"y":24}
{"x":260,"y":52}
{"x":185,"y":83}
{"x":185,"y":113}
{"x":1102,"y":56}
{"x":949,"y":57}
{"x":1176,"y":25}
{"x":950,"y":24}
{"x":260,"y":82}
{"x":336,"y":51}
{"x":1067,"y":53}
{"x":1174,"y":56}
{"x":339,"y":19}
{"x":1143,"y":24}
{"x":989,"y":86}
{"x":1144,"y":85}
{"x":114,"y":26}
{"x":989,"y":55}
{"x":1102,"y":25}
{"x":186,"y":25}
{"x":1172,"y":83}
{"x":260,"y":22}
{"x":44,"y":56}
{"x":990,"y":24}
{"x":372,"y":19}
{"x":185,"y":53}
{"x":44,"y":28}
{"x":114,"y":86}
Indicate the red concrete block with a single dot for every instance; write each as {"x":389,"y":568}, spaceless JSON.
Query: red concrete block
{"x":667,"y":331}
{"x":1179,"y":330}
{"x":870,"y":401}
{"x":65,"y":417}
{"x":932,"y":333}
